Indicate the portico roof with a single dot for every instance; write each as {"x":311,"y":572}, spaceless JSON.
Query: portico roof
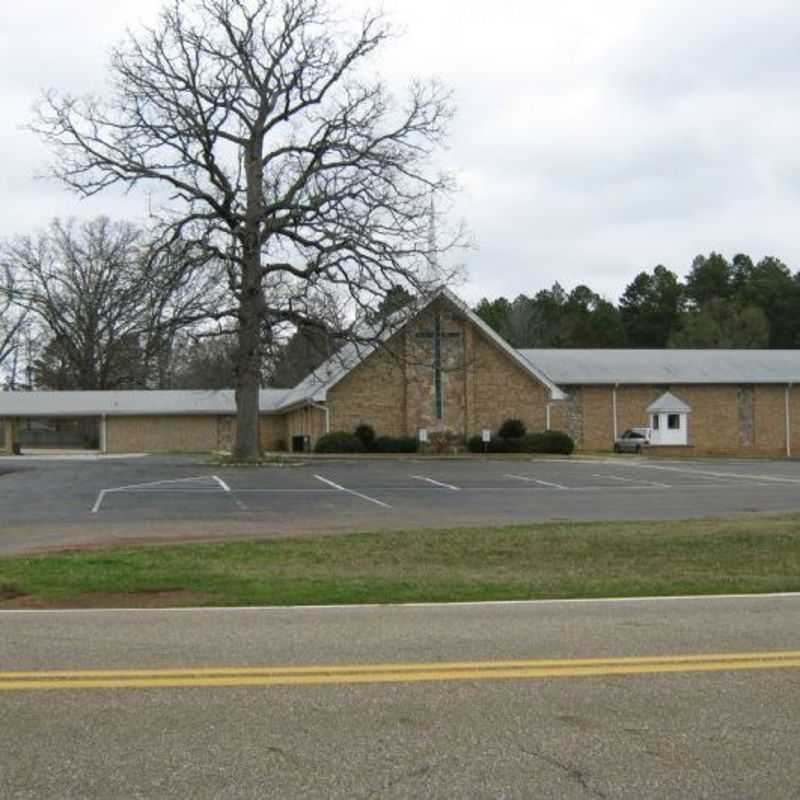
{"x":668,"y":404}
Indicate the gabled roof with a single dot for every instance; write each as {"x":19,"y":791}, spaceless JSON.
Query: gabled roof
{"x":668,"y":404}
{"x":312,"y":389}
{"x":531,"y":368}
{"x":573,"y":367}
{"x":315,"y":387}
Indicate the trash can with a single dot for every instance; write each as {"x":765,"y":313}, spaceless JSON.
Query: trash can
{"x":299,"y":444}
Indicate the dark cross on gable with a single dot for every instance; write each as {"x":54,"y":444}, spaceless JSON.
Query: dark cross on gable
{"x":436,"y":336}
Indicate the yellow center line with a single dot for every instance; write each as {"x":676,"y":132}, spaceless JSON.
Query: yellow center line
{"x":393,"y":673}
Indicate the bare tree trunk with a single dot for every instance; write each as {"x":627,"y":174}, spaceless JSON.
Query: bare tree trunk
{"x":248,"y":359}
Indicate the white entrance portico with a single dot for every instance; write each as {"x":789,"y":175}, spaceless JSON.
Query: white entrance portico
{"x":669,"y":420}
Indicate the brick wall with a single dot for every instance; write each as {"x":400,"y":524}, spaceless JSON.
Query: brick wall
{"x":598,"y":424}
{"x":769,"y":404}
{"x":167,"y":434}
{"x":373,"y":393}
{"x":393,"y":388}
{"x":503,"y":389}
{"x":187,"y":434}
{"x":419,"y":374}
{"x":725,"y":419}
{"x":273,"y":432}
{"x":306,"y":421}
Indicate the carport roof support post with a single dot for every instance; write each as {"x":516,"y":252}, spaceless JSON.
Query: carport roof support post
{"x":9,"y":431}
{"x":787,"y":398}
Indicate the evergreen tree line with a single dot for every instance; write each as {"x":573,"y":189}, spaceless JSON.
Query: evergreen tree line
{"x":720,"y":304}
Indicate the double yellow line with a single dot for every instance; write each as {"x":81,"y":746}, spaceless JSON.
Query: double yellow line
{"x":392,"y":673}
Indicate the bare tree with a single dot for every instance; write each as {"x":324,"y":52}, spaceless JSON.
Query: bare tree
{"x":12,"y":326}
{"x":109,"y":305}
{"x":306,"y":178}
{"x":202,"y":362}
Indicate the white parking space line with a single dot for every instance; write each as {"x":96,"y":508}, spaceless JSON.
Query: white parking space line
{"x":227,"y":489}
{"x":724,"y":475}
{"x":437,"y":483}
{"x":160,"y":483}
{"x":160,"y":486}
{"x":354,"y":493}
{"x":536,"y":480}
{"x":99,"y":501}
{"x":635,"y":481}
{"x":552,"y":485}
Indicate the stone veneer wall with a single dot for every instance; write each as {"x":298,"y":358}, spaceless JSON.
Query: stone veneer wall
{"x":567,"y":415}
{"x":745,"y":403}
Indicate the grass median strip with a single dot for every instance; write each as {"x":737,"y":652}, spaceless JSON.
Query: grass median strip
{"x":551,"y":560}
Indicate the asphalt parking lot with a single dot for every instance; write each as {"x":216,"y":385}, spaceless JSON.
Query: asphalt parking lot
{"x":50,"y":503}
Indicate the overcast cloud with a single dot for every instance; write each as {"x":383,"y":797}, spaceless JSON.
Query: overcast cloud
{"x":592,"y":140}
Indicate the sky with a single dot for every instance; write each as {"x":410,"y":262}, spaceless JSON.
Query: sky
{"x":592,"y":140}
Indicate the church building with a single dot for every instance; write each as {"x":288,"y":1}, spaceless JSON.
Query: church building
{"x":445,"y":370}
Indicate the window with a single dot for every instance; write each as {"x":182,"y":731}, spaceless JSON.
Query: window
{"x":674,"y":422}
{"x":655,"y":422}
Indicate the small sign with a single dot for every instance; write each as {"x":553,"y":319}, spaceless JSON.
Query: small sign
{"x":486,"y":436}
{"x":423,"y":435}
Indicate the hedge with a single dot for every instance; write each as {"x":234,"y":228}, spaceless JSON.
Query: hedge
{"x":366,"y":433}
{"x":344,"y":442}
{"x":396,"y":444}
{"x":512,"y":429}
{"x":545,"y":442}
{"x":339,"y":442}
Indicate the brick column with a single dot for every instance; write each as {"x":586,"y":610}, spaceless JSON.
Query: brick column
{"x":8,"y":426}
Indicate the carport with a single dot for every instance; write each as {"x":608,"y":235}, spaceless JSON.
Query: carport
{"x":58,"y":433}
{"x":132,"y":421}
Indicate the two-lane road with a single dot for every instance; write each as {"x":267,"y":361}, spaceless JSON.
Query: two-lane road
{"x":653,"y":698}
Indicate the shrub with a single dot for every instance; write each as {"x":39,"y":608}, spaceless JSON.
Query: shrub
{"x":558,"y":442}
{"x":512,"y":429}
{"x":475,"y":444}
{"x":554,"y":442}
{"x":339,"y":442}
{"x":396,"y":444}
{"x":444,"y":442}
{"x":366,"y":433}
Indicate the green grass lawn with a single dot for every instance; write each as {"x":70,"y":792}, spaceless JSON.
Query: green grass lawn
{"x":753,"y":554}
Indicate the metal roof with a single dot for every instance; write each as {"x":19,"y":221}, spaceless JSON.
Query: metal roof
{"x":668,"y":404}
{"x":144,"y":402}
{"x":570,"y":367}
